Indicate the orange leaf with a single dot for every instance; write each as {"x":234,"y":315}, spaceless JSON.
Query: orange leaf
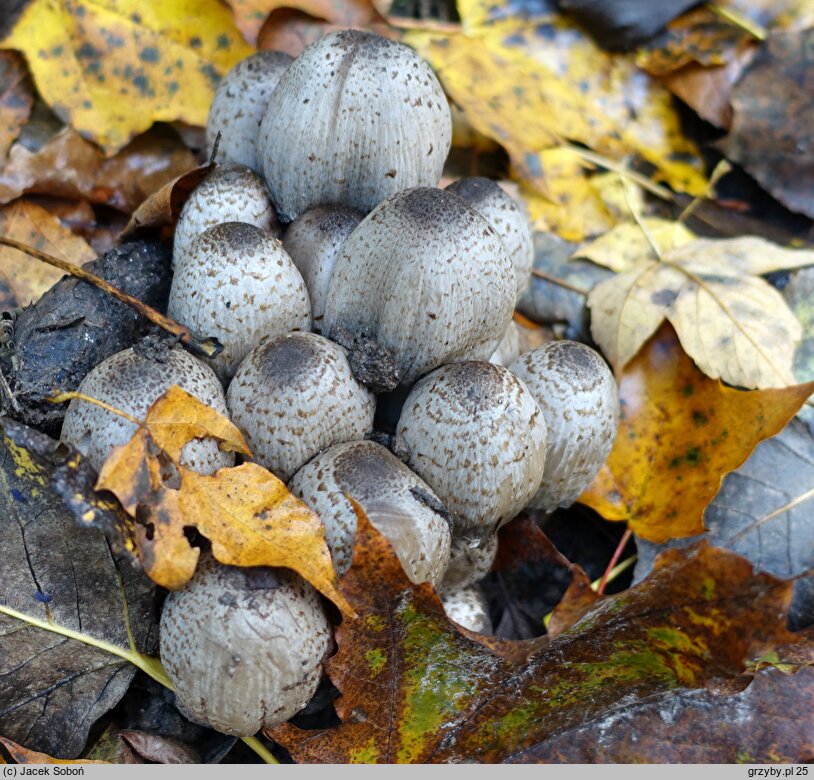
{"x":25,"y":756}
{"x":16,"y":97}
{"x":679,"y":434}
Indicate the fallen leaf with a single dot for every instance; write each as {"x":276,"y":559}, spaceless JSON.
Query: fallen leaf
{"x":161,"y":210}
{"x":763,"y":512}
{"x":250,"y":14}
{"x":68,"y":166}
{"x":529,"y":83}
{"x":799,"y":294}
{"x":53,"y":689}
{"x":159,"y":749}
{"x":24,"y":277}
{"x":679,"y":434}
{"x":112,"y":70}
{"x":413,"y":689}
{"x":772,"y":134}
{"x":575,"y":603}
{"x":245,"y":512}
{"x":732,"y":323}
{"x":16,"y":98}
{"x":23,"y":755}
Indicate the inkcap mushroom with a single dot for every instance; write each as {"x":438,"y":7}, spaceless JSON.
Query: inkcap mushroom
{"x":470,"y":558}
{"x":474,"y":433}
{"x":396,"y":501}
{"x":508,"y":218}
{"x":239,"y":104}
{"x":243,"y":646}
{"x":578,"y":397}
{"x":131,"y":381}
{"x":295,"y":395}
{"x":467,"y":607}
{"x":239,"y":284}
{"x":313,"y":241}
{"x":230,"y":193}
{"x":356,"y":118}
{"x":425,"y":279}
{"x":509,"y":348}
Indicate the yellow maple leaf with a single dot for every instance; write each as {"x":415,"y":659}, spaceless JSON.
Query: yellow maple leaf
{"x":111,"y":68}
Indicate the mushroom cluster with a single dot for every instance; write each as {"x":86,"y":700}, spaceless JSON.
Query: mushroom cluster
{"x":370,"y":352}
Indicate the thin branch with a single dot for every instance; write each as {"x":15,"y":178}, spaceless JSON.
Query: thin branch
{"x":559,"y":282}
{"x":209,"y":347}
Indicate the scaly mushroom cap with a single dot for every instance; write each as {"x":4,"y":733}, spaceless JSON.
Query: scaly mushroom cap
{"x":509,"y":348}
{"x":507,"y":217}
{"x":314,"y":241}
{"x":474,"y":433}
{"x":426,"y":278}
{"x":356,"y":118}
{"x":231,"y":193}
{"x":577,"y":394}
{"x":467,"y":607}
{"x":239,"y":104}
{"x":395,"y":500}
{"x":237,"y":283}
{"x":295,"y":395}
{"x":132,"y":380}
{"x":470,"y":559}
{"x":243,"y":646}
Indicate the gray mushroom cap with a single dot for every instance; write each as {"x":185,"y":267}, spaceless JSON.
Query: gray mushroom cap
{"x":314,"y":241}
{"x":468,"y":608}
{"x":356,"y":118}
{"x":427,"y":279}
{"x":132,"y":380}
{"x":243,"y":646}
{"x":239,"y":104}
{"x":295,"y":395}
{"x":237,"y":283}
{"x":578,"y":397}
{"x":230,"y":193}
{"x":475,"y":434}
{"x":397,"y":502}
{"x":509,"y":219}
{"x":470,"y":559}
{"x":509,"y":348}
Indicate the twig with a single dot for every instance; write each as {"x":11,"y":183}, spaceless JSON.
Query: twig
{"x":616,"y":556}
{"x":208,"y":347}
{"x":739,"y":20}
{"x":7,"y":390}
{"x":559,"y":282}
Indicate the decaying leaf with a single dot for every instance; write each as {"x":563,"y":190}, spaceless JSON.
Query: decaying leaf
{"x":23,"y":755}
{"x":799,"y":294}
{"x":530,"y":82}
{"x":23,"y":279}
{"x":763,"y":512}
{"x":16,"y":98}
{"x":68,"y":166}
{"x":772,"y":133}
{"x":245,"y":512}
{"x":53,"y":689}
{"x":732,"y":323}
{"x":413,"y":689}
{"x":679,"y":434}
{"x":112,"y":69}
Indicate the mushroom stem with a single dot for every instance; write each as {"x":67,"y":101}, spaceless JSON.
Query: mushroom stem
{"x":208,"y":347}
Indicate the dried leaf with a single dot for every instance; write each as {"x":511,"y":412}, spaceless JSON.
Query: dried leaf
{"x":245,"y":512}
{"x":161,"y":210}
{"x":575,"y":603}
{"x":772,"y":133}
{"x":413,"y":689}
{"x":53,"y":689}
{"x":68,"y":166}
{"x":161,"y":750}
{"x":734,"y":326}
{"x":23,"y":277}
{"x":22,"y":755}
{"x":679,"y":434}
{"x":799,"y":294}
{"x":111,"y":71}
{"x":16,"y":98}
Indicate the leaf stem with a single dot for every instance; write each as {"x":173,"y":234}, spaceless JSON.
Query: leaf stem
{"x":258,"y":747}
{"x":208,"y":347}
{"x":613,"y":561}
{"x":62,"y":397}
{"x":739,"y":20}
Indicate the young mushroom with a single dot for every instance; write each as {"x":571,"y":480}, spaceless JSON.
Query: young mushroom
{"x":578,"y":397}
{"x":467,"y":607}
{"x":425,"y":279}
{"x":230,"y":193}
{"x":509,"y":348}
{"x":475,"y":434}
{"x":295,"y":395}
{"x":356,"y":118}
{"x":239,"y":284}
{"x":396,"y":501}
{"x":313,"y":241}
{"x":470,"y":558}
{"x":132,"y":380}
{"x":243,"y":646}
{"x":507,"y":217}
{"x":239,"y":104}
